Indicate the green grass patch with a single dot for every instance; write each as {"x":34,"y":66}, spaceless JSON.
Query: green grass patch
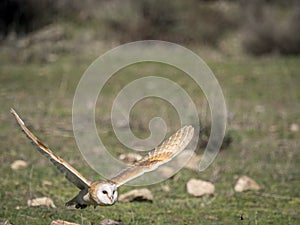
{"x":262,"y":97}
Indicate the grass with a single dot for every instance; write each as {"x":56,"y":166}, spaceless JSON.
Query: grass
{"x":262,"y":97}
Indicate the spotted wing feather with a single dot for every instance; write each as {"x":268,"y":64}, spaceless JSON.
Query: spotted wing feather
{"x":70,"y":172}
{"x":158,"y":156}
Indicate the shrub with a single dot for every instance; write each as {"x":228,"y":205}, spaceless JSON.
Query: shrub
{"x":23,"y":16}
{"x":178,"y":21}
{"x":140,"y":19}
{"x":287,"y":38}
{"x":272,"y":28}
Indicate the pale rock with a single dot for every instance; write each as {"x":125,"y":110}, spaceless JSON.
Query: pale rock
{"x":166,"y":171}
{"x":130,"y":158}
{"x":43,"y":201}
{"x":5,"y":223}
{"x":166,"y":188}
{"x":211,"y":217}
{"x":245,"y":183}
{"x":273,"y":128}
{"x":190,"y":158}
{"x":62,"y":222}
{"x":137,"y":195}
{"x":259,"y":109}
{"x":199,"y":187}
{"x":47,"y":183}
{"x":109,"y":222}
{"x":193,"y":163}
{"x":18,"y":164}
{"x":294,"y":127}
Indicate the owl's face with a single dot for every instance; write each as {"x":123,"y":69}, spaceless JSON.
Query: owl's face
{"x":107,"y":194}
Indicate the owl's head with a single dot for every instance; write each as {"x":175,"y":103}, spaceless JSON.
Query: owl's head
{"x":106,"y":193}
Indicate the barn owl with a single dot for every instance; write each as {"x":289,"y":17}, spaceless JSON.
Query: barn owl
{"x":105,"y":193}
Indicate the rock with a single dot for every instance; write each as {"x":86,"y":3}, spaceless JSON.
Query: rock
{"x":193,"y":163}
{"x":130,"y":158}
{"x":18,"y":164}
{"x":43,"y":201}
{"x":294,"y":127}
{"x":199,"y":187}
{"x":259,"y":109}
{"x":166,"y":188}
{"x":245,"y":183}
{"x":211,"y":217}
{"x":191,"y":158}
{"x":137,"y":195}
{"x":166,"y":171}
{"x":5,"y":223}
{"x":273,"y":128}
{"x":109,"y":222}
{"x":47,"y":183}
{"x":62,"y":222}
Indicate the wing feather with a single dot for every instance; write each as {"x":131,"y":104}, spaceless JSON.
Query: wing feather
{"x":70,"y":172}
{"x":158,"y":156}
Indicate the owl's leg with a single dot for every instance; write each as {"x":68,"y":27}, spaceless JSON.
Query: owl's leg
{"x":77,"y":205}
{"x":78,"y":201}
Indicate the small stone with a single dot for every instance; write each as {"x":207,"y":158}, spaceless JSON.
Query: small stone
{"x":273,"y":128}
{"x":137,"y":195}
{"x":294,"y":127}
{"x":166,"y":171}
{"x":190,"y":159}
{"x":43,"y":201}
{"x":245,"y":183}
{"x":166,"y":188}
{"x":18,"y":164}
{"x":109,"y":222}
{"x":130,"y":158}
{"x":193,"y":163}
{"x":211,"y":217}
{"x":51,"y":58}
{"x":5,"y":223}
{"x":47,"y":183}
{"x":259,"y":109}
{"x":199,"y":187}
{"x":62,"y":222}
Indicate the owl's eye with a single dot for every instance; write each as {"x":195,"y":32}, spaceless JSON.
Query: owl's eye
{"x":104,"y":192}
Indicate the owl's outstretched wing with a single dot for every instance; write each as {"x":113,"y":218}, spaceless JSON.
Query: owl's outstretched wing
{"x":70,"y":173}
{"x":158,"y":156}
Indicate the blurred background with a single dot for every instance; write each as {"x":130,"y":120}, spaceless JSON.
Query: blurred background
{"x":253,"y":49}
{"x":253,"y":27}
